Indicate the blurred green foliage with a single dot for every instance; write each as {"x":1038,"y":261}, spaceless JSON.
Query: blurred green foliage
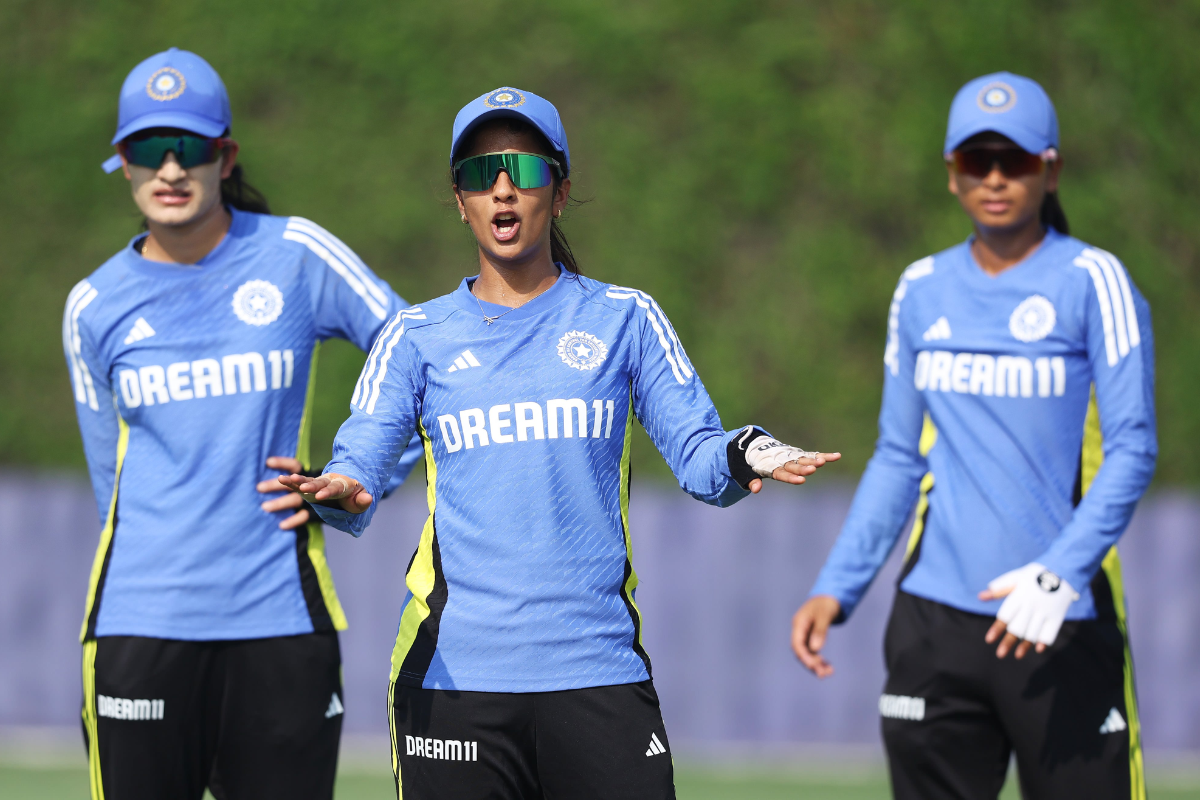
{"x":765,"y":169}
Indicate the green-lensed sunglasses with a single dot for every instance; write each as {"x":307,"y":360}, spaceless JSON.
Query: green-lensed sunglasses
{"x":190,"y":150}
{"x":525,"y":170}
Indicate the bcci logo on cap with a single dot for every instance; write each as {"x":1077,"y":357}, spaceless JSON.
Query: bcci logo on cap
{"x":581,"y":350}
{"x":258,"y":303}
{"x":504,"y":98}
{"x":996,"y":97}
{"x":166,"y":84}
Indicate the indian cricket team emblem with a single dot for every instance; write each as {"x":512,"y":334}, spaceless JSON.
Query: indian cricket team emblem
{"x":580,"y":350}
{"x":504,"y":98}
{"x":996,"y":97}
{"x":166,"y":84}
{"x":258,"y":303}
{"x":1033,"y":319}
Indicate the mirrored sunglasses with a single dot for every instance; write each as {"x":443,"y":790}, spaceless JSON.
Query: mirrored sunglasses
{"x":525,"y":170}
{"x":190,"y":150}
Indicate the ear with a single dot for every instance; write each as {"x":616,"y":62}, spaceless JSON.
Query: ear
{"x":561,"y":196}
{"x":125,"y":166}
{"x":229,"y":155}
{"x":1053,"y":170}
{"x":462,"y":210}
{"x":953,"y":178}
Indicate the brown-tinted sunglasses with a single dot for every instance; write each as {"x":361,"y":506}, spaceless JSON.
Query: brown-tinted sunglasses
{"x":1013,"y":162}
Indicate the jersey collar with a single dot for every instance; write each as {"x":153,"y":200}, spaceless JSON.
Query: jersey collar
{"x":542,"y":303}
{"x":973,"y":272}
{"x":237,"y":229}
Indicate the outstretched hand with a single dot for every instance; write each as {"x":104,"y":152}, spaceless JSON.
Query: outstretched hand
{"x":332,"y":487}
{"x":794,"y":471}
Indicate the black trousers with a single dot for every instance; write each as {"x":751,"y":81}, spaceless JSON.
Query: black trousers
{"x":953,"y":713}
{"x":253,"y":719}
{"x":606,"y":743}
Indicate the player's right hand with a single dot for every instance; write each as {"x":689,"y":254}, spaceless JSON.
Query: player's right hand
{"x":809,"y":628}
{"x":331,"y":487}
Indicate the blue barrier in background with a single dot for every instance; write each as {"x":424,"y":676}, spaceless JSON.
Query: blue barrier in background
{"x":719,"y":587}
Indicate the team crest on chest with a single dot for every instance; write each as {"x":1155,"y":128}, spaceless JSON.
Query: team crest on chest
{"x":581,"y":350}
{"x":1033,"y":319}
{"x":258,"y":302}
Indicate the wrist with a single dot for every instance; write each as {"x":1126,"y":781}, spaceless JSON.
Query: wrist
{"x":735,"y":453}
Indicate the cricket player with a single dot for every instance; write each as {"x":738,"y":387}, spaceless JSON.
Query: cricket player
{"x":1018,"y":419}
{"x":518,"y":670}
{"x":210,"y":648}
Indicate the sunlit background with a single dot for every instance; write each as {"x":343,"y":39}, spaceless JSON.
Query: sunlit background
{"x":765,"y":169}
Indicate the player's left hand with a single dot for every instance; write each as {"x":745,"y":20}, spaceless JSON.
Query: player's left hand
{"x":1035,"y":605}
{"x":771,"y":458}
{"x":287,"y":466}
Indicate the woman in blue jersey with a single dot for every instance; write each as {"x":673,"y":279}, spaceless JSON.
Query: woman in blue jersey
{"x":210,"y":646}
{"x":518,"y":669}
{"x":1018,"y":418}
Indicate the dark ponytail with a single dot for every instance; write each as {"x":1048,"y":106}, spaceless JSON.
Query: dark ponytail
{"x":237,"y":193}
{"x":1052,"y":215}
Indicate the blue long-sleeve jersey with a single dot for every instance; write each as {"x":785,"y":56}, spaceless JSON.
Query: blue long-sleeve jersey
{"x":987,"y":386}
{"x":523,"y":579}
{"x":186,"y":379}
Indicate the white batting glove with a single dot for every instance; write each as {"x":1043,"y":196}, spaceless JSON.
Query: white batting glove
{"x":1036,"y":607}
{"x":765,"y":454}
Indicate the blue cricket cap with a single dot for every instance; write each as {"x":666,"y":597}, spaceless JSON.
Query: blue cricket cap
{"x":173,"y":89}
{"x":509,"y":102}
{"x":1009,"y":104}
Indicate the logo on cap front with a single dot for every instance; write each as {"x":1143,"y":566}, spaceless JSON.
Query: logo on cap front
{"x":997,"y":97}
{"x":166,"y":84}
{"x":504,"y":98}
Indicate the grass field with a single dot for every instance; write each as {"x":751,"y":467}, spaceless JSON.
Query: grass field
{"x":58,"y":783}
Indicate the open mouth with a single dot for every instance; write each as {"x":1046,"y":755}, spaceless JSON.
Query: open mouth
{"x":505,"y":225}
{"x":173,"y":197}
